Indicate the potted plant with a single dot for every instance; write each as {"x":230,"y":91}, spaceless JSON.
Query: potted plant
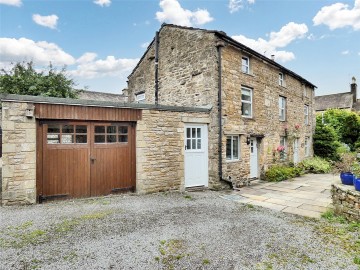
{"x":346,"y":166}
{"x":357,"y":176}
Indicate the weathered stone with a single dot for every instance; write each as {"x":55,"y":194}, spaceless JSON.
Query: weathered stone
{"x":345,"y":201}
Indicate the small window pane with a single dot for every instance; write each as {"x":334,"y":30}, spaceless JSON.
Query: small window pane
{"x":188,"y":144}
{"x":198,"y":143}
{"x":111,"y":138}
{"x":199,"y":132}
{"x":111,"y":129}
{"x":81,"y":138}
{"x":235,"y":147}
{"x":100,"y":129}
{"x":193,"y":133}
{"x":123,"y":138}
{"x":53,"y":128}
{"x":67,"y":138}
{"x":99,"y":138}
{"x":245,"y":95}
{"x":246,"y":109}
{"x":68,"y":129}
{"x":81,"y":129}
{"x":193,"y":144}
{"x":53,"y":138}
{"x":188,"y":133}
{"x":123,"y":130}
{"x":228,"y":148}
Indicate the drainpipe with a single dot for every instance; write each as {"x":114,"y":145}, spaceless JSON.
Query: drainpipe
{"x":219,"y":46}
{"x":157,"y":68}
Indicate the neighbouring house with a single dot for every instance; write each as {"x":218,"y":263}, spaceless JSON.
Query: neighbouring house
{"x":101,"y":96}
{"x":261,"y":112}
{"x":344,"y":101}
{"x":203,"y":110}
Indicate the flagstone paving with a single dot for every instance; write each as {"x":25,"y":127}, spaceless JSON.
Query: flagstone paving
{"x":308,"y":195}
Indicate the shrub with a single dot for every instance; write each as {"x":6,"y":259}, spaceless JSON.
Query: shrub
{"x":325,"y":142}
{"x":315,"y":165}
{"x":281,"y":172}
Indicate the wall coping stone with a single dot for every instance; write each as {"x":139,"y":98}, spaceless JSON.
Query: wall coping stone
{"x":347,"y":188}
{"x":97,"y":103}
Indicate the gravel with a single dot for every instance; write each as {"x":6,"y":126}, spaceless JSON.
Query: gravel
{"x":198,"y":230}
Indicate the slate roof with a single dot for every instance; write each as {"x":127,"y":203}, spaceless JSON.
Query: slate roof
{"x":334,"y":101}
{"x":100,"y":96}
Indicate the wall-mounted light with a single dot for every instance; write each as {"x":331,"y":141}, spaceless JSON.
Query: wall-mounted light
{"x":29,"y":112}
{"x":248,"y":140}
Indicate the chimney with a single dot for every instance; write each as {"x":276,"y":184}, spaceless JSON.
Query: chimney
{"x":273,"y":57}
{"x":353,"y":88}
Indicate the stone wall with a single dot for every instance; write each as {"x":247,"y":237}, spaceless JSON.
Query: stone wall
{"x":346,"y":201}
{"x":19,"y":155}
{"x":160,"y":149}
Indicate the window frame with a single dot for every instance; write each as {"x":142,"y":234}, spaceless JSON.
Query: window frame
{"x":231,"y":137}
{"x":306,"y":115}
{"x":281,"y":79}
{"x":307,"y":146}
{"x":283,"y":142}
{"x":246,"y":101}
{"x":140,"y":97}
{"x":282,"y":108}
{"x":246,"y":66}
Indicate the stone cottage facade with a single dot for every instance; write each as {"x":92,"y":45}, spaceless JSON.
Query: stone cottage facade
{"x":257,"y":105}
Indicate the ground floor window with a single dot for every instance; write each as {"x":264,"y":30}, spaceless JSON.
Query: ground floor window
{"x":307,"y":146}
{"x":232,"y":147}
{"x":282,"y":148}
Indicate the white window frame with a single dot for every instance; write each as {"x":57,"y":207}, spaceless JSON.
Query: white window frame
{"x":232,"y":158}
{"x":305,"y":91}
{"x":247,"y":101}
{"x":307,"y":146}
{"x":306,"y":114}
{"x":245,"y":68}
{"x":283,"y":142}
{"x":282,"y":108}
{"x":281,"y":79}
{"x":140,"y":98}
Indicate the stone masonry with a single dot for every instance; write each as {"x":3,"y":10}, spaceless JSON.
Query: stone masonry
{"x":160,"y":149}
{"x":19,"y":154}
{"x":346,"y":201}
{"x":189,"y":76}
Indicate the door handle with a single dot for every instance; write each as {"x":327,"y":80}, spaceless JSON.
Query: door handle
{"x":92,"y":159}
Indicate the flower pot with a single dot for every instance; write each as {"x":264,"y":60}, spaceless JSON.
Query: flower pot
{"x":347,"y":178}
{"x":357,"y":184}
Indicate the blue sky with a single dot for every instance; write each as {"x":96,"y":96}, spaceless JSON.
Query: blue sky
{"x":100,"y":41}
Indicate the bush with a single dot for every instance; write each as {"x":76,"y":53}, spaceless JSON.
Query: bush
{"x":325,"y":142}
{"x":281,"y":172}
{"x":315,"y":165}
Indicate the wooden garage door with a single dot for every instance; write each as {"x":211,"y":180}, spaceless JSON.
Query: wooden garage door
{"x":81,"y":159}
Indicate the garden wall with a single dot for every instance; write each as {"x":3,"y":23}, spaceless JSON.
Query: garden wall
{"x":346,"y":201}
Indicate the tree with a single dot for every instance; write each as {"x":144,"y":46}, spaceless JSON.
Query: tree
{"x":325,"y":143}
{"x":23,"y":79}
{"x":350,"y":131}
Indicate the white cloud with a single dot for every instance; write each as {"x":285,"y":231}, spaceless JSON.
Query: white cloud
{"x":236,"y":5}
{"x":86,"y":58}
{"x":42,"y":52}
{"x":102,"y":3}
{"x":16,"y":3}
{"x":345,"y":52}
{"x":110,"y":66}
{"x":47,"y":21}
{"x":281,"y":39}
{"x":339,"y":15}
{"x":145,"y":44}
{"x":172,"y":12}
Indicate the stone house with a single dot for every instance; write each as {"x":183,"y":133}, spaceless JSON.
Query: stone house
{"x":257,"y":105}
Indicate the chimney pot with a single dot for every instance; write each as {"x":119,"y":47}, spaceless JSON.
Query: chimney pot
{"x":353,"y":88}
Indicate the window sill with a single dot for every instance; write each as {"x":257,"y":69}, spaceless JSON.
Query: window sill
{"x":248,"y":74}
{"x":232,"y":161}
{"x":248,"y":118}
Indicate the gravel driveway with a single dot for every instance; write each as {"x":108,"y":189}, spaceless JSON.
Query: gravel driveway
{"x":196,"y":230}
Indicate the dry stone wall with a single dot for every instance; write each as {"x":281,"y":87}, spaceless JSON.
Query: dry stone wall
{"x":19,"y":154}
{"x":346,"y":201}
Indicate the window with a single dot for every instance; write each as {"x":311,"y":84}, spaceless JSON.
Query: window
{"x":66,"y":134}
{"x":232,"y":147}
{"x":281,"y":79}
{"x":307,"y":146}
{"x":140,"y":97}
{"x":245,"y":64}
{"x":284,"y":144}
{"x":305,"y":91}
{"x":282,"y":108}
{"x":111,"y":134}
{"x":193,"y":138}
{"x":246,"y":102}
{"x":306,"y":114}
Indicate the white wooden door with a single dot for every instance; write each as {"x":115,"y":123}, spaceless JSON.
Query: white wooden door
{"x":196,"y":155}
{"x":296,"y":151}
{"x":254,"y":163}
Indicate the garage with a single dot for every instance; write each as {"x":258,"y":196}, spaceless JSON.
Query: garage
{"x":84,"y":151}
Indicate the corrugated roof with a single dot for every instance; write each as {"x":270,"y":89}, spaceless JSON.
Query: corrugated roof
{"x":334,"y":101}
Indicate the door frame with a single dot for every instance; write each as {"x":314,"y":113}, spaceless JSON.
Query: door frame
{"x":205,"y":143}
{"x":296,"y":150}
{"x":255,"y":140}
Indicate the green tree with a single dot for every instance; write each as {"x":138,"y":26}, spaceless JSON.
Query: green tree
{"x":350,"y":131}
{"x":23,"y":79}
{"x":325,"y":142}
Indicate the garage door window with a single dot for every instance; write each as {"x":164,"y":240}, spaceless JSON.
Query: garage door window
{"x":111,"y":134}
{"x":66,"y":134}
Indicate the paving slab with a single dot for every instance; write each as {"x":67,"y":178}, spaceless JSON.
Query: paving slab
{"x":269,"y":205}
{"x":302,"y":212}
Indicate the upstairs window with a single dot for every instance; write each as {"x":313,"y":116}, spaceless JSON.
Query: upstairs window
{"x":281,"y":79}
{"x":306,"y":114}
{"x":282,"y":108}
{"x":245,"y":65}
{"x":140,"y":97}
{"x":246,"y":102}
{"x":232,"y":147}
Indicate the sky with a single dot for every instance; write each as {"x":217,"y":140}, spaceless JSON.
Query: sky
{"x":101,"y":41}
